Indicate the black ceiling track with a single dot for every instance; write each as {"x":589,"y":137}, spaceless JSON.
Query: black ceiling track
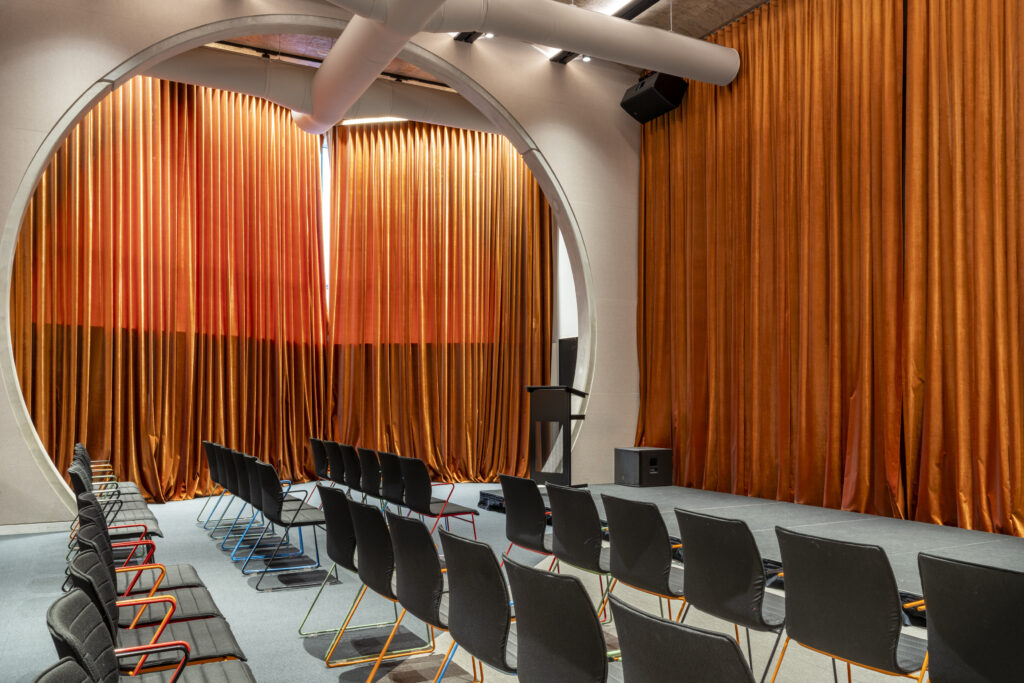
{"x":468,"y":36}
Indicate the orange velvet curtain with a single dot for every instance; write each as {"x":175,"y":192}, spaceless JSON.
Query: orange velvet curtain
{"x":440,"y":295}
{"x":964,"y":408}
{"x":825,"y":317}
{"x":168,"y":287}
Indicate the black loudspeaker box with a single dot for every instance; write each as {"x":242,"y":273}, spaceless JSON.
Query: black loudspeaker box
{"x":653,"y":96}
{"x":643,"y":466}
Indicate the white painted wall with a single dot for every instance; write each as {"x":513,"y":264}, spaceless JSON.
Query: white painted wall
{"x":58,"y":57}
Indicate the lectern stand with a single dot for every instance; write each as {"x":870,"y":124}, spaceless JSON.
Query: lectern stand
{"x":551,"y":404}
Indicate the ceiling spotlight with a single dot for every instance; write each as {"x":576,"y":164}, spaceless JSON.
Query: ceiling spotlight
{"x":586,"y":58}
{"x":488,"y":35}
{"x":371,"y":119}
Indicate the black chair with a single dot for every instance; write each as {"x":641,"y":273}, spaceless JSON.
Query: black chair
{"x":208,"y":639}
{"x":102,"y":471}
{"x":655,"y":649}
{"x":242,"y":488}
{"x":392,"y":488}
{"x":419,"y":584}
{"x":340,"y":543}
{"x":641,"y":551}
{"x":287,"y":513}
{"x":376,"y":570}
{"x":419,"y":497}
{"x":227,"y":478}
{"x":321,"y":466}
{"x":558,"y":635}
{"x":212,"y":466}
{"x":577,"y":533}
{"x":132,"y":579}
{"x":191,"y":602}
{"x":863,"y":622}
{"x":80,"y":635}
{"x":352,"y":469}
{"x":335,"y":462}
{"x":118,"y":509}
{"x":479,"y":609}
{"x":67,"y":670}
{"x":526,"y":520}
{"x":369,"y":472}
{"x":973,"y":616}
{"x":725,"y":576}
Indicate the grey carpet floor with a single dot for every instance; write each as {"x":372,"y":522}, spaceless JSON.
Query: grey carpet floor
{"x":32,"y":569}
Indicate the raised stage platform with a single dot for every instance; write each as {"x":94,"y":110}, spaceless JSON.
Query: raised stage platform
{"x":901,"y":539}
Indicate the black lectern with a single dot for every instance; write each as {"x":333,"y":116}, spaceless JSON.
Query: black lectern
{"x":547,"y":405}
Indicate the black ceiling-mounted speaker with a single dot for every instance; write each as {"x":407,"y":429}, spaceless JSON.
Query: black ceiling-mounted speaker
{"x":654,"y":95}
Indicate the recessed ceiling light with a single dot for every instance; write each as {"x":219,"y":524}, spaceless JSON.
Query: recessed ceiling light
{"x":372,"y":119}
{"x":586,"y":58}
{"x":488,"y":35}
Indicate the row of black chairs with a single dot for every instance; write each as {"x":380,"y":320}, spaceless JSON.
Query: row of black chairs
{"x":125,"y":615}
{"x":271,"y":509}
{"x":841,"y":598}
{"x":539,"y":625}
{"x":392,"y":479}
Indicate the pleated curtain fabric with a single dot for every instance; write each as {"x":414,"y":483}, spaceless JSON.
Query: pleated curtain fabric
{"x":964,"y":402}
{"x":440,"y":295}
{"x":830,"y":269}
{"x":168,"y":288}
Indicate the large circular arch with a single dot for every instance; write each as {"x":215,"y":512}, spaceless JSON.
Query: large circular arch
{"x":199,"y":35}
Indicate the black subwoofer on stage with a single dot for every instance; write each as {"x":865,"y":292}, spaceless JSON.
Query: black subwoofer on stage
{"x":643,"y":466}
{"x":653,"y":96}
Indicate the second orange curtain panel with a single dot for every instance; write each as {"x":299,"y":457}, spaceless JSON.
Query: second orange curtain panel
{"x":440,"y":295}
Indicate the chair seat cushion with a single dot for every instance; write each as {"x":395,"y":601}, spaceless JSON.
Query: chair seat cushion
{"x":208,"y":638}
{"x":437,"y":505}
{"x":230,"y":671}
{"x":773,"y":609}
{"x":192,"y":603}
{"x":304,"y":516}
{"x":910,"y":653}
{"x":178,"y":576}
{"x":675,"y":580}
{"x":152,"y":528}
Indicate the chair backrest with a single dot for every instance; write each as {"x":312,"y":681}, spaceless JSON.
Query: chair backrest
{"x":419,"y":582}
{"x":479,"y":614}
{"x":320,"y":465}
{"x":81,"y":481}
{"x":558,"y":636}
{"x":526,"y":520}
{"x":335,"y":462}
{"x":270,"y":493}
{"x":243,"y":481}
{"x":66,"y":670}
{"x":78,"y":631}
{"x":256,"y":483}
{"x":575,"y":527}
{"x":655,"y":649}
{"x":973,"y":620}
{"x":369,"y":468}
{"x":353,"y":471}
{"x":376,"y":557}
{"x":341,"y":537}
{"x":417,"y":484}
{"x":93,"y":535}
{"x":391,"y":487}
{"x":724,"y":573}
{"x":855,"y":581}
{"x":228,"y":470}
{"x":210,"y":449}
{"x":641,"y":554}
{"x":90,"y":576}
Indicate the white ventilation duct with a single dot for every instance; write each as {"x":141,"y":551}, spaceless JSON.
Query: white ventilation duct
{"x":364,"y":49}
{"x":555,"y":24}
{"x":290,"y":86}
